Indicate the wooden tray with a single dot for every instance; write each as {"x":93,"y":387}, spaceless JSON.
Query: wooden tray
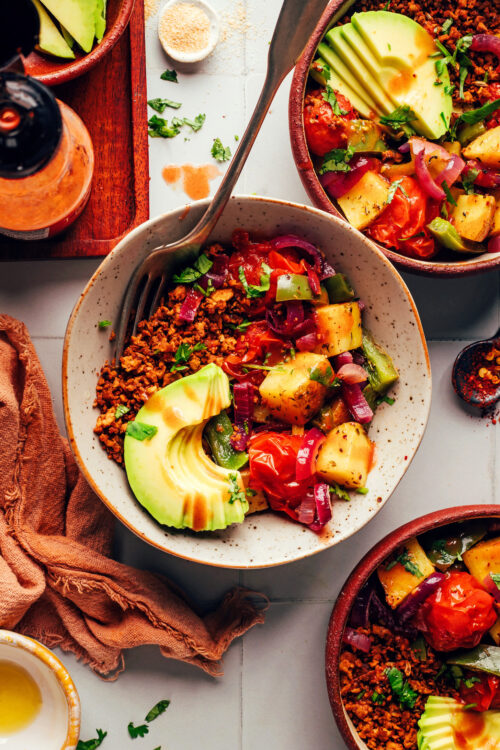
{"x":111,"y":100}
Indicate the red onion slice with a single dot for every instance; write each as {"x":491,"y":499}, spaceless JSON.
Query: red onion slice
{"x":306,"y":343}
{"x":486,"y":43}
{"x":352,"y":373}
{"x":343,"y":359}
{"x":491,"y":587}
{"x":494,"y":245}
{"x":313,"y":279}
{"x":321,"y":265}
{"x":409,"y":607}
{"x":424,"y":177}
{"x":420,"y":149}
{"x":452,"y":171}
{"x":357,"y":403}
{"x":338,"y":184}
{"x":356,"y":640}
{"x":306,"y":457}
{"x":306,"y":511}
{"x":243,"y":401}
{"x":323,"y":506}
{"x":190,"y":305}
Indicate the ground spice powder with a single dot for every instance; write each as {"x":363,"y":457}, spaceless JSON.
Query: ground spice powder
{"x":185,"y":28}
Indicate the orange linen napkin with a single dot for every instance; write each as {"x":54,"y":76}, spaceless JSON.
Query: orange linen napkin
{"x":57,"y":582}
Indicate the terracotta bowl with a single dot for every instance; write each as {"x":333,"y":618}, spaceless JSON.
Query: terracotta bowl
{"x":355,"y":583}
{"x":264,"y":539}
{"x":446,"y":264}
{"x":53,"y":70}
{"x":57,"y":724}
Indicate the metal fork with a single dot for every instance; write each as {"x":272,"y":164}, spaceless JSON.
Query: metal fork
{"x":295,"y":24}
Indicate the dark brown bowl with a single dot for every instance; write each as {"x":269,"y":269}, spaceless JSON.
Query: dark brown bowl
{"x":53,"y":70}
{"x":355,"y":582}
{"x":444,"y":268}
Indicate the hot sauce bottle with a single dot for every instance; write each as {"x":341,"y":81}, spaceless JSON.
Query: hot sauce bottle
{"x":46,"y":154}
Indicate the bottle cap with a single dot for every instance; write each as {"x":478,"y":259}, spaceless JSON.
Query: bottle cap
{"x":30,"y":125}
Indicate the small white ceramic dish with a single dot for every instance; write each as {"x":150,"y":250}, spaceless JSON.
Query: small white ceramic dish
{"x":57,"y":724}
{"x":213,"y":35}
{"x":264,"y":539}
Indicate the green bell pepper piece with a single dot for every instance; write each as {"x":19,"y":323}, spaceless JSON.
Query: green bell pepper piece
{"x":381,"y":371}
{"x":470,"y":132}
{"x":339,"y":288}
{"x":218,"y":433}
{"x":292,"y":286}
{"x":447,"y":235}
{"x":444,"y":552}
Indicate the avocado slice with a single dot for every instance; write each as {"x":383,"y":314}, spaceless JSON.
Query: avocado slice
{"x":100,"y":19}
{"x":342,"y":71}
{"x":78,"y":17}
{"x":328,"y":76}
{"x":393,"y":41}
{"x":67,"y":36}
{"x":170,"y":474}
{"x":446,"y":234}
{"x":445,"y":722}
{"x":365,"y":137}
{"x":51,"y":40}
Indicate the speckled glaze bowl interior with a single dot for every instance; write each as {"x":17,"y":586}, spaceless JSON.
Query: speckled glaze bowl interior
{"x":264,"y":539}
{"x":359,"y":576}
{"x":57,"y":724}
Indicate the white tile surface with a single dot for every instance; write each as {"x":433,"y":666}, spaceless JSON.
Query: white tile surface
{"x":273,"y":693}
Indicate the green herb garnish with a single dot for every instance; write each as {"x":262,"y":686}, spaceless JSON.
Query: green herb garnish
{"x":120,"y":410}
{"x":392,"y":191}
{"x":321,"y":374}
{"x":387,"y":399}
{"x":405,"y":560}
{"x":183,"y":355}
{"x":337,"y":160}
{"x":449,"y":89}
{"x":200,"y":267}
{"x":237,"y":494}
{"x":169,"y":75}
{"x":362,"y":490}
{"x":340,"y":492}
{"x":445,"y":121}
{"x":251,"y":289}
{"x":160,"y":105}
{"x":447,"y":192}
{"x":378,"y":698}
{"x":92,"y":744}
{"x":401,"y":689}
{"x":469,"y":179}
{"x":241,"y":326}
{"x":471,"y":681}
{"x":480,"y":114}
{"x":219,"y":152}
{"x":104,"y":324}
{"x":160,"y":707}
{"x":495,"y":577}
{"x":361,"y":695}
{"x":141,"y":431}
{"x":446,"y":25}
{"x":331,"y":98}
{"x":159,"y":128}
{"x":139,"y":731}
{"x":419,"y":648}
{"x":400,"y":119}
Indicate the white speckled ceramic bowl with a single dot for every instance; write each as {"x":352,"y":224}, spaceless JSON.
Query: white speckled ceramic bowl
{"x":264,"y":539}
{"x":57,"y":724}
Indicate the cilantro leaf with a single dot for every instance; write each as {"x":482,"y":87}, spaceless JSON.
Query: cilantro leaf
{"x":447,"y":192}
{"x":196,"y":123}
{"x":121,"y":409}
{"x":400,"y":119}
{"x":237,"y":494}
{"x":169,"y":75}
{"x":469,"y":179}
{"x":378,"y":697}
{"x":392,"y":191}
{"x":139,"y":731}
{"x":337,"y":160}
{"x":161,"y":104}
{"x":405,"y":560}
{"x":401,"y":689}
{"x":219,"y":152}
{"x":495,"y":577}
{"x":183,"y":355}
{"x":159,"y":128}
{"x":480,"y":114}
{"x":324,"y":375}
{"x":104,"y":324}
{"x":200,"y":267}
{"x":92,"y":744}
{"x":362,"y":490}
{"x":241,"y":326}
{"x":141,"y":431}
{"x":331,"y":98}
{"x":160,"y":707}
{"x":447,"y":25}
{"x":340,"y":492}
{"x":251,"y":289}
{"x":449,"y":89}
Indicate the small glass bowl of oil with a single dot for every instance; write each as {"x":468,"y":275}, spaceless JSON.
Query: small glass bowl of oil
{"x":39,"y":705}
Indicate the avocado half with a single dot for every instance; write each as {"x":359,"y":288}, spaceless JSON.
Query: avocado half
{"x":445,"y":721}
{"x":170,"y":474}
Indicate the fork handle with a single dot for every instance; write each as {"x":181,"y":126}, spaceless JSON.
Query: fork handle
{"x":295,"y":24}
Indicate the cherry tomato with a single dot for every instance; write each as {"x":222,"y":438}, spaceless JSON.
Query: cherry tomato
{"x":255,"y":345}
{"x":273,"y":457}
{"x":458,"y":614}
{"x":405,"y":217}
{"x":493,"y":93}
{"x":324,"y":129}
{"x":484,"y":691}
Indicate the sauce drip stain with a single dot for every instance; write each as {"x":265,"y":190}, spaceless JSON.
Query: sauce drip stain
{"x":20,"y":698}
{"x":468,"y":729}
{"x":195,"y":179}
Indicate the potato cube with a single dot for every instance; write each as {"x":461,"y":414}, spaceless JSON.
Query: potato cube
{"x":485,"y":148}
{"x":288,"y":391}
{"x":473,"y":216}
{"x":365,"y":201}
{"x":404,"y":572}
{"x":339,"y":328}
{"x":483,"y":558}
{"x":346,"y":456}
{"x":495,"y":227}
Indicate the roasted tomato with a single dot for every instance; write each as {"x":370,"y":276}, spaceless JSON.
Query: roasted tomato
{"x":324,"y":129}
{"x":273,"y":456}
{"x":259,"y":343}
{"x":481,"y":692}
{"x":458,"y":614}
{"x":493,"y":93}
{"x":402,"y":225}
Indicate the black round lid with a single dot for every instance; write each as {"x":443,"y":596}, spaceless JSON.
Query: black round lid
{"x":30,"y":125}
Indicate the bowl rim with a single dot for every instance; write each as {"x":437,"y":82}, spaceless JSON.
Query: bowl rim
{"x":94,"y":278}
{"x":75,"y":68}
{"x":359,"y":576}
{"x":45,"y":655}
{"x":312,"y":185}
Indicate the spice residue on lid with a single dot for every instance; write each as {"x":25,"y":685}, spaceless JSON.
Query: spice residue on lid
{"x":184,"y":29}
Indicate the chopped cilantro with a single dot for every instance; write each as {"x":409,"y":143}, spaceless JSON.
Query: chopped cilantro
{"x":250,"y":492}
{"x":469,"y":179}
{"x":92,"y":744}
{"x":321,"y":374}
{"x":401,"y":689}
{"x":469,"y":706}
{"x":237,"y":494}
{"x":183,"y":354}
{"x":445,"y":121}
{"x":361,"y":695}
{"x":196,"y":123}
{"x":200,"y":267}
{"x":441,"y":547}
{"x":331,"y":98}
{"x":160,"y":707}
{"x":462,"y":46}
{"x":139,"y":731}
{"x":447,"y":25}
{"x":392,"y":191}
{"x":388,"y":399}
{"x":438,"y":83}
{"x":236,"y":137}
{"x":323,"y":67}
{"x":159,"y":128}
{"x":241,"y":326}
{"x":486,"y":77}
{"x":387,"y":5}
{"x":449,"y":89}
{"x":169,"y":75}
{"x":340,"y":492}
{"x":251,"y":289}
{"x":362,"y":490}
{"x":219,"y":152}
{"x":337,"y":160}
{"x":141,"y":431}
{"x":378,"y":697}
{"x":480,"y":114}
{"x":405,"y":560}
{"x":400,"y":119}
{"x":456,"y":675}
{"x":120,"y":410}
{"x":104,"y":324}
{"x":495,"y":577}
{"x":470,"y":681}
{"x":160,"y":105}
{"x":448,"y":194}
{"x":464,"y":72}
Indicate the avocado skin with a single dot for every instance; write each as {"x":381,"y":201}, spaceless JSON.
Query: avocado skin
{"x":170,"y":474}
